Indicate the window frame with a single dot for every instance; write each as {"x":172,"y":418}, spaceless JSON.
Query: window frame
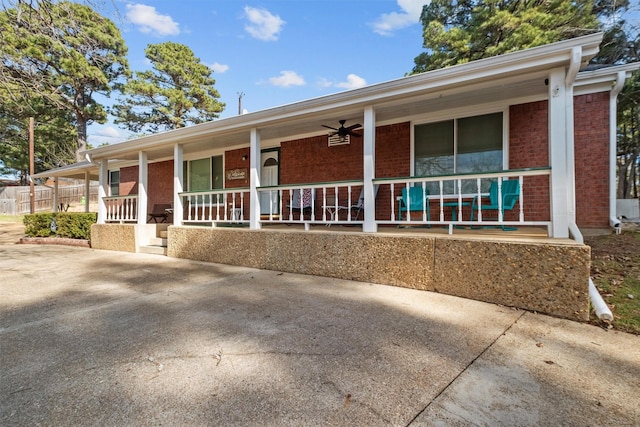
{"x":455,"y":116}
{"x":110,"y":180}
{"x":187,"y":171}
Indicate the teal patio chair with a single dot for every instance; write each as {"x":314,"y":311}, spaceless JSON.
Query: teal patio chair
{"x":510,"y":192}
{"x":415,"y":200}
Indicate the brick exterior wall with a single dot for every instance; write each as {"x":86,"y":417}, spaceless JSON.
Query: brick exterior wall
{"x":529,"y":148}
{"x":233,"y":160}
{"x":160,"y":183}
{"x":312,"y":160}
{"x":591,"y":133}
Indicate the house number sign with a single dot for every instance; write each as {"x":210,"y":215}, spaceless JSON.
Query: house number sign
{"x":236,"y":174}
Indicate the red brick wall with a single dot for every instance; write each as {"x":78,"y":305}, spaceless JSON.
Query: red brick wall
{"x":528,"y":148}
{"x":129,"y":180}
{"x":160,"y":182}
{"x":312,"y":160}
{"x":591,"y":133}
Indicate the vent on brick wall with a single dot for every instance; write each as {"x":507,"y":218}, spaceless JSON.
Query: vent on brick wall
{"x":339,"y":140}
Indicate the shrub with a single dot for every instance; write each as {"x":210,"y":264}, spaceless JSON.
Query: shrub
{"x":72,"y":225}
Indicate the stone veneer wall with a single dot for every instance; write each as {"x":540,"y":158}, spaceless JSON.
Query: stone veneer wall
{"x":550,"y":278}
{"x":115,"y":237}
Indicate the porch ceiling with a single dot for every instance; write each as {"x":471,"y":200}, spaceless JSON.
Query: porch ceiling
{"x":393,"y":110}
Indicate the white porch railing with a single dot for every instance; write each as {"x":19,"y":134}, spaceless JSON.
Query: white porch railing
{"x":216,"y":206}
{"x":446,"y":201}
{"x":458,"y":193}
{"x":336,"y":202}
{"x":121,"y":208}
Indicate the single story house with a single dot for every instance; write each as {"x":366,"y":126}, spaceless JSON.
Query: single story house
{"x":474,"y":180}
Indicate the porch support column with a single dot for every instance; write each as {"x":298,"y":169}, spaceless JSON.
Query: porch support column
{"x":254,"y":181}
{"x":178,"y":184}
{"x":55,"y":193}
{"x":102,"y":191}
{"x":143,"y":177}
{"x":369,"y":159}
{"x":558,"y":158}
{"x":87,"y":192}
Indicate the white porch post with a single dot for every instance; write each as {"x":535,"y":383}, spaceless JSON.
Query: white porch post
{"x":102,"y":191}
{"x":55,"y":194}
{"x":369,"y":159}
{"x":178,"y":184}
{"x":143,"y":175}
{"x":560,"y":182}
{"x":87,"y":192}
{"x":254,"y":181}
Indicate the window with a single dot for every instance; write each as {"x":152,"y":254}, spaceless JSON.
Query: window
{"x":114,"y":183}
{"x":466,"y":145}
{"x":204,"y":175}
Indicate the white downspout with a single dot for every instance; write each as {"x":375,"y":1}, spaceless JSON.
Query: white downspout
{"x":613,"y":112}
{"x":570,"y":78}
{"x":600,"y":307}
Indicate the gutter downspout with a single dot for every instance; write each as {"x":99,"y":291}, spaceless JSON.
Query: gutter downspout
{"x":613,"y":112}
{"x":570,"y":78}
{"x":600,"y":307}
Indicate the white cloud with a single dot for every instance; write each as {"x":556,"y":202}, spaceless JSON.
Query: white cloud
{"x":353,"y":82}
{"x":219,"y":68}
{"x":387,"y":23}
{"x":108,"y":132}
{"x":149,"y":21}
{"x":287,"y":78}
{"x":262,"y":24}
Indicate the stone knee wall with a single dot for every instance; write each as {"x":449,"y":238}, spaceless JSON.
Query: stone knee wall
{"x":544,"y":277}
{"x":399,"y":261}
{"x":114,"y":237}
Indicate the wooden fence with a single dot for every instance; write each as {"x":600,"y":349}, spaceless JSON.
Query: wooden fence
{"x":17,"y":201}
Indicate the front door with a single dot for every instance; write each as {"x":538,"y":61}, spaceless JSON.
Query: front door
{"x":269,"y":161}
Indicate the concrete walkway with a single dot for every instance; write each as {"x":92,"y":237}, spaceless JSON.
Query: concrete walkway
{"x":91,"y":337}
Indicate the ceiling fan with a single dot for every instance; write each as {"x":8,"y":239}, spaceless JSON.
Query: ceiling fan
{"x":344,"y":131}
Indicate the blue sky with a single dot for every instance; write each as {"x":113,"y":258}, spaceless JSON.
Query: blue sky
{"x":274,"y":51}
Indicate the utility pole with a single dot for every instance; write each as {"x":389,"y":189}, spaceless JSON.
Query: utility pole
{"x":240,"y":95}
{"x":32,"y":199}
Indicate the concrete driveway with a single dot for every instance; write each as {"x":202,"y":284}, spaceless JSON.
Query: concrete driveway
{"x":91,"y":337}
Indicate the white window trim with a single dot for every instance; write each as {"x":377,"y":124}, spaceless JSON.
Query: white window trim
{"x":461,"y":113}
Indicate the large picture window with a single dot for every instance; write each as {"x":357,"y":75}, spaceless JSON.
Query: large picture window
{"x":204,"y":174}
{"x":465,"y":145}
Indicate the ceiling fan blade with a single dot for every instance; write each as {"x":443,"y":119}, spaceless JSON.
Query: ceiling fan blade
{"x":352,"y":127}
{"x":328,"y":127}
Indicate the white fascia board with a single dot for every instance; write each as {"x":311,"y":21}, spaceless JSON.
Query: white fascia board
{"x":548,"y":56}
{"x":603,"y":79}
{"x":64,"y":171}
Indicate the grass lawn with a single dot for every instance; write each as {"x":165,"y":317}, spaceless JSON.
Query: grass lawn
{"x":615,"y":269}
{"x":11,"y":218}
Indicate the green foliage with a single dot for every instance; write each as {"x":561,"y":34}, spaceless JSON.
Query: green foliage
{"x":177,"y":92}
{"x":54,"y":135}
{"x":38,"y":225}
{"x":71,"y":225}
{"x":64,"y":53}
{"x":456,"y":32}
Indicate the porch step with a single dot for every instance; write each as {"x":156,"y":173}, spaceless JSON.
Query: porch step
{"x":158,"y":241}
{"x":154,"y":250}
